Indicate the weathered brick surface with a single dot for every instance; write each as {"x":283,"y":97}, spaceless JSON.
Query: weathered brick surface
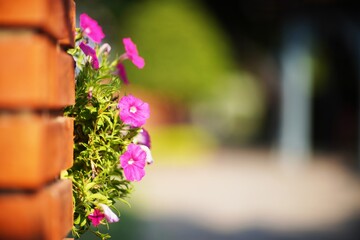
{"x":35,"y":72}
{"x":43,"y":214}
{"x":34,"y":149}
{"x":49,"y":16}
{"x":37,"y":81}
{"x":68,"y":40}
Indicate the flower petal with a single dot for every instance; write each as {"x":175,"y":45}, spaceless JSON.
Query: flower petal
{"x":143,"y":138}
{"x":91,"y":28}
{"x":138,"y":61}
{"x":132,"y":53}
{"x":137,"y":118}
{"x":133,"y":171}
{"x":96,"y":216}
{"x":109,"y":215}
{"x":149,"y":158}
{"x":89,"y":51}
{"x":122,"y":72}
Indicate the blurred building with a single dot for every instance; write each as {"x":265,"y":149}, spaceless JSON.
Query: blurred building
{"x":274,"y":39}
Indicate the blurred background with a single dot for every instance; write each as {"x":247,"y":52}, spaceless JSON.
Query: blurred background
{"x":254,"y":117}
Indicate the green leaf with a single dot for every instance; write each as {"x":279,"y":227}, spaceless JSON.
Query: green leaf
{"x":100,"y":122}
{"x":91,"y":109}
{"x":89,"y":185}
{"x":77,"y":220}
{"x":124,"y":201}
{"x":83,"y":222}
{"x":98,"y":196}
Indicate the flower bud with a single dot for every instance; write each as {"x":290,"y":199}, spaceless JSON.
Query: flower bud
{"x":109,"y":215}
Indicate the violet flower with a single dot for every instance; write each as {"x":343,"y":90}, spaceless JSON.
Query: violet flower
{"x":133,"y":163}
{"x":89,"y":51}
{"x":143,"y":138}
{"x":122,"y":73}
{"x":91,"y":28}
{"x":133,"y":111}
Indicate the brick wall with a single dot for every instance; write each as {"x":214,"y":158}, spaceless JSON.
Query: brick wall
{"x":36,"y":141}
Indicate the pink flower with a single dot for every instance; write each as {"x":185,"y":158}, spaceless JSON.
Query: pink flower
{"x":122,"y":73}
{"x":109,"y":215}
{"x":91,"y":28}
{"x":90,"y":52}
{"x":132,"y":53}
{"x":133,"y":162}
{"x":143,"y":138}
{"x":133,"y":111}
{"x":96,"y":216}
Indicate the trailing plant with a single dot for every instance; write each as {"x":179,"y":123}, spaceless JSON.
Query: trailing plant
{"x":111,"y":147}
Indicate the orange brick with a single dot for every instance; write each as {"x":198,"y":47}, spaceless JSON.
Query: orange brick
{"x":43,"y":214}
{"x":35,"y":72}
{"x":34,"y":149}
{"x":48,"y":15}
{"x":64,"y":90}
{"x":69,"y":39}
{"x":58,"y":136}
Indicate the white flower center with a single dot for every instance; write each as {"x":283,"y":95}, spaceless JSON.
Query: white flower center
{"x":133,"y":109}
{"x":130,"y":162}
{"x":87,"y":30}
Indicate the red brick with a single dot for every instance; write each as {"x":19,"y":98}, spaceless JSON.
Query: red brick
{"x":34,"y":149}
{"x":47,"y":15}
{"x":35,"y":72}
{"x":69,"y":39}
{"x":43,"y":214}
{"x":64,"y":90}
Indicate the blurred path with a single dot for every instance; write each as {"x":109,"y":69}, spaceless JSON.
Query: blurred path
{"x":242,"y":190}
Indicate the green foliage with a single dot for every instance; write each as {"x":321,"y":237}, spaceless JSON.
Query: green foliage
{"x":99,"y":139}
{"x":242,"y":110}
{"x":188,"y":55}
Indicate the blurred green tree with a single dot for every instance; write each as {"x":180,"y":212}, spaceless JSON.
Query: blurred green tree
{"x":186,"y":54}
